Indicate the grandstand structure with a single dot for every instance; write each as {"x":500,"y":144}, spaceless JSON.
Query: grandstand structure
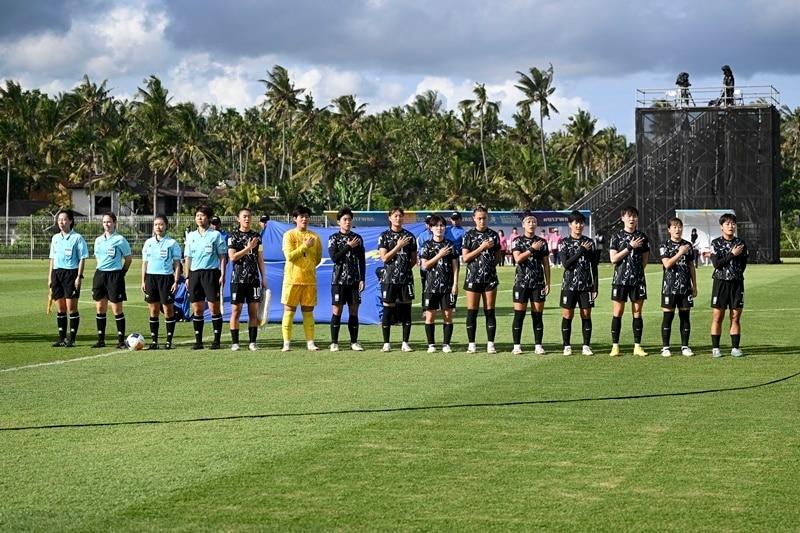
{"x":723,"y":155}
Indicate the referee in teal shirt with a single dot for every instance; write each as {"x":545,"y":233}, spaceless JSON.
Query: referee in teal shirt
{"x":68,"y":253}
{"x":113,"y":255}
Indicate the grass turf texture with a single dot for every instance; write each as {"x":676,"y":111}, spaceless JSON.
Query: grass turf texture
{"x":313,"y":441}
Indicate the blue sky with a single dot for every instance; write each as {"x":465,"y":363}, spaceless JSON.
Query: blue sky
{"x":386,"y":51}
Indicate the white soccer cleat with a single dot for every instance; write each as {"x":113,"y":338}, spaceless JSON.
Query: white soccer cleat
{"x":715,"y":353}
{"x":431,"y":348}
{"x":252,"y":347}
{"x":234,"y":347}
{"x":665,"y":352}
{"x":446,"y":348}
{"x":490,"y":348}
{"x":567,"y":350}
{"x":471,"y":348}
{"x":406,"y":348}
{"x":587,"y":350}
{"x":539,"y":349}
{"x":736,"y":352}
{"x":311,"y":347}
{"x":386,"y":347}
{"x":686,"y":351}
{"x":517,"y":350}
{"x":334,"y":347}
{"x":356,"y":347}
{"x":286,"y":346}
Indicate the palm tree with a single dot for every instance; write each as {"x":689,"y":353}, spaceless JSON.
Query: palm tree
{"x":283,"y":100}
{"x":613,"y":146}
{"x":582,"y":143}
{"x":348,"y":111}
{"x":537,"y":90}
{"x":480,"y":104}
{"x":427,"y":104}
{"x":465,"y":120}
{"x":153,"y":119}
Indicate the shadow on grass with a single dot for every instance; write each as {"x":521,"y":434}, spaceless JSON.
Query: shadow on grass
{"x":400,"y":409}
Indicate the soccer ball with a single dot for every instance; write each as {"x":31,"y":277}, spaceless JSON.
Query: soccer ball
{"x":135,"y":341}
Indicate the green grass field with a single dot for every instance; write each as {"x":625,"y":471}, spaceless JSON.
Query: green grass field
{"x":220,"y":440}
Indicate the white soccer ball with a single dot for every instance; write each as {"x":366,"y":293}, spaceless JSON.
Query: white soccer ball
{"x":135,"y":341}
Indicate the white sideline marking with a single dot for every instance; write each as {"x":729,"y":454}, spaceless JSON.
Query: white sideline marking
{"x":64,"y":361}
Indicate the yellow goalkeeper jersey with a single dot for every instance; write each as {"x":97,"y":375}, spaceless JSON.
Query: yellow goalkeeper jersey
{"x":301,"y":260}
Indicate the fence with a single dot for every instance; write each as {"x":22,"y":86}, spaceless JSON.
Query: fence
{"x":29,"y":237}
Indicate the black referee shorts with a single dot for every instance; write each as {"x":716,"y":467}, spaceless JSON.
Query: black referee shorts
{"x":63,"y":284}
{"x":157,"y":288}
{"x":110,"y":285}
{"x":204,"y":285}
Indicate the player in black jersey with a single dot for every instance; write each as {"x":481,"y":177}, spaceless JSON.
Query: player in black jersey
{"x":629,"y":250}
{"x":579,"y":258}
{"x":481,"y":253}
{"x":248,"y":277}
{"x":398,"y":250}
{"x":439,"y":258}
{"x":679,"y":287}
{"x":729,"y":257}
{"x":531,"y":282}
{"x":346,"y":250}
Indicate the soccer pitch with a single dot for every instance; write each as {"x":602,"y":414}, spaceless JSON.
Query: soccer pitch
{"x":221,"y":440}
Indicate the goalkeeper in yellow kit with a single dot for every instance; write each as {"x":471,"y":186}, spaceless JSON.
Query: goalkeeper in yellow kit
{"x":303,"y":252}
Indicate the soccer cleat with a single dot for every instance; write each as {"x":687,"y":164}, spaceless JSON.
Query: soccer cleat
{"x":638,"y":350}
{"x":716,"y":353}
{"x":168,"y":346}
{"x":567,"y":350}
{"x":356,"y":347}
{"x":686,"y":351}
{"x":252,"y":347}
{"x":121,"y":345}
{"x":334,"y":347}
{"x":517,"y":350}
{"x":471,"y":348}
{"x":386,"y":347}
{"x":311,"y":347}
{"x":539,"y":349}
{"x":490,"y":348}
{"x":58,"y":344}
{"x":615,"y":351}
{"x":214,"y":346}
{"x":431,"y":348}
{"x":197,"y":346}
{"x":153,"y":346}
{"x":234,"y":347}
{"x":736,"y":352}
{"x":70,"y":343}
{"x":587,"y":350}
{"x":665,"y":352}
{"x":98,"y":344}
{"x":286,"y":346}
{"x":406,"y":348}
{"x":446,"y":348}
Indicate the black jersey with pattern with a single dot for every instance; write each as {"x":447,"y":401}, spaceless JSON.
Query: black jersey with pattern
{"x":530,"y":272}
{"x":439,"y":279}
{"x":727,"y":266}
{"x":245,"y":269}
{"x":678,"y":279}
{"x":629,"y":271}
{"x":349,"y":264}
{"x":482,"y":269}
{"x":580,"y":264}
{"x":399,"y":269}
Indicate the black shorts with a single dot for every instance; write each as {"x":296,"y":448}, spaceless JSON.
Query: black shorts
{"x":727,"y":294}
{"x":345,"y":294}
{"x":481,"y":287}
{"x":109,"y":284}
{"x":634,"y":293}
{"x":523,"y":295}
{"x":681,"y":301}
{"x":204,"y":285}
{"x":63,"y":284}
{"x":246,"y":293}
{"x":433,"y":301}
{"x":583,"y":299}
{"x":157,"y":288}
{"x":397,"y":293}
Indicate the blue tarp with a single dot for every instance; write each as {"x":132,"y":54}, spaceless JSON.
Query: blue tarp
{"x":272,"y":238}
